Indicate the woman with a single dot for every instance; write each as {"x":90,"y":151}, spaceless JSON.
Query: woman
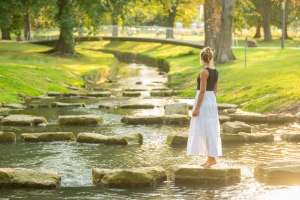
{"x":204,"y":134}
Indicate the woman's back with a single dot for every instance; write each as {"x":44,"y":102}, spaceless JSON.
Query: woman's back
{"x":211,"y":81}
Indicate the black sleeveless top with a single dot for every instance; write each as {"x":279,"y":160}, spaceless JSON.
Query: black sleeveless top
{"x":211,"y":80}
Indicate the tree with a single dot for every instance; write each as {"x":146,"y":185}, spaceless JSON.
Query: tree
{"x":224,"y":53}
{"x":71,"y":13}
{"x":116,"y":8}
{"x":266,"y":14}
{"x":212,"y":22}
{"x":8,"y":9}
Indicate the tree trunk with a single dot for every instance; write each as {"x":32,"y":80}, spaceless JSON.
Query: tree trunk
{"x":258,"y":27}
{"x":267,"y":20}
{"x":65,"y":44}
{"x":212,"y":22}
{"x":114,"y":20}
{"x":27,"y":33}
{"x":225,"y":53}
{"x":171,"y":20}
{"x":5,"y":34}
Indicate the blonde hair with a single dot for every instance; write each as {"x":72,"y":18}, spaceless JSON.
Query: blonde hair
{"x":207,"y":55}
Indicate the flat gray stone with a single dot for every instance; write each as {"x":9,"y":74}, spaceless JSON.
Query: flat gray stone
{"x":236,"y":126}
{"x":129,"y":178}
{"x":48,"y":136}
{"x":70,"y":94}
{"x":135,"y":120}
{"x":54,"y":94}
{"x":177,"y":139}
{"x":280,"y":172}
{"x":263,"y":118}
{"x":197,"y":174}
{"x":161,"y":93}
{"x":176,"y":119}
{"x":123,"y":139}
{"x":223,"y":118}
{"x":293,"y":136}
{"x":257,"y":137}
{"x":66,"y":105}
{"x":135,"y":89}
{"x":14,"y":106}
{"x":137,"y":106}
{"x":29,"y":178}
{"x":23,"y":120}
{"x":297,"y":115}
{"x":131,"y":94}
{"x":222,"y":106}
{"x":79,"y":119}
{"x":176,"y":108}
{"x":107,"y":106}
{"x":99,"y":94}
{"x":6,"y":137}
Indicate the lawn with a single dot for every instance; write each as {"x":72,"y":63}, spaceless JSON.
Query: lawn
{"x":24,"y":69}
{"x":270,"y":81}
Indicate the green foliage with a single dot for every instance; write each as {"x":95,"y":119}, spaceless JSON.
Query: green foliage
{"x":269,"y":82}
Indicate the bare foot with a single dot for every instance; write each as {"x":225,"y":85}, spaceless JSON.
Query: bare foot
{"x":204,"y":163}
{"x":209,"y":164}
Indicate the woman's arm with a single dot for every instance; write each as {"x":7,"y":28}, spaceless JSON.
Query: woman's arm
{"x":203,"y":82}
{"x":216,"y":88}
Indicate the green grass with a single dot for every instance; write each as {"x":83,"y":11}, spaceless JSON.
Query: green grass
{"x":23,"y":69}
{"x":270,"y":81}
{"x":295,"y":42}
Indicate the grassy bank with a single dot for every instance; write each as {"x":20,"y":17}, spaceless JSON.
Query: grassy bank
{"x":270,"y":81}
{"x":24,"y":69}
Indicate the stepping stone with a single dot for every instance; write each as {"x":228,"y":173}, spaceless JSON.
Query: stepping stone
{"x":223,"y":119}
{"x":257,"y":137}
{"x":223,"y":106}
{"x":177,"y":139}
{"x":7,"y":137}
{"x":162,"y":93}
{"x":148,"y":120}
{"x":23,"y":120}
{"x":29,"y":178}
{"x":298,"y":115}
{"x":263,"y":118}
{"x":70,"y":94}
{"x":79,"y":119}
{"x":279,"y":173}
{"x":160,"y":89}
{"x":196,"y":174}
{"x":134,"y":120}
{"x":235,"y":127}
{"x":135,"y":90}
{"x":293,"y":136}
{"x":176,"y":108}
{"x":42,"y":97}
{"x":176,"y":119}
{"x":131,"y":94}
{"x":35,"y":106}
{"x":98,"y":94}
{"x":228,"y":138}
{"x":107,"y":106}
{"x":65,"y":105}
{"x":123,"y":139}
{"x":48,"y":136}
{"x":129,"y":178}
{"x":54,"y":94}
{"x":14,"y":106}
{"x":137,"y":106}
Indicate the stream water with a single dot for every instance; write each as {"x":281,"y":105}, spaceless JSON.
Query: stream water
{"x":74,"y":161}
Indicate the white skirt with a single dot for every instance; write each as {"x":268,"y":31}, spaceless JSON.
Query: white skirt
{"x":204,"y":133}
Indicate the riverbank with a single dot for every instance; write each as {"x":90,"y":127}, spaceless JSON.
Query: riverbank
{"x":25,"y":69}
{"x":269,"y":83}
